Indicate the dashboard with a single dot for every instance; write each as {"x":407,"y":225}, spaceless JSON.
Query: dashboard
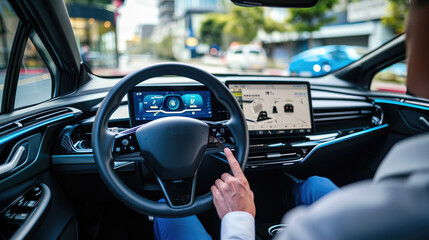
{"x":290,"y":122}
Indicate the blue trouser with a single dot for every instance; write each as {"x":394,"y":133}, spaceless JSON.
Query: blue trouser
{"x":311,"y":190}
{"x":306,"y":193}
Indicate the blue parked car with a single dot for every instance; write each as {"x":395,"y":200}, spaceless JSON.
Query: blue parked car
{"x":322,"y":60}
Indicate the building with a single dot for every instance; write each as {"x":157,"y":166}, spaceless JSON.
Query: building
{"x":357,"y":23}
{"x":183,"y":25}
{"x":166,"y":11}
{"x":95,"y":30}
{"x":181,"y":7}
{"x":145,"y":30}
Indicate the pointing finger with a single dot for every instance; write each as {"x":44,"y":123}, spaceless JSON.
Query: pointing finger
{"x":233,"y":163}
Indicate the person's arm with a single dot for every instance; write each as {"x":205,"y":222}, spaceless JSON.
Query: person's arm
{"x":234,"y":202}
{"x":418,"y":48}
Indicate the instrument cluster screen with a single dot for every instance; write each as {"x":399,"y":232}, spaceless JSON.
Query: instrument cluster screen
{"x":275,"y":108}
{"x":150,"y":105}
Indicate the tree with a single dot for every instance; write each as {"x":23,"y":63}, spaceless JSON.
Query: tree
{"x":237,"y":24}
{"x":311,"y":19}
{"x":164,"y":49}
{"x":212,"y":28}
{"x":244,"y":23}
{"x":270,"y":26}
{"x":397,"y":13}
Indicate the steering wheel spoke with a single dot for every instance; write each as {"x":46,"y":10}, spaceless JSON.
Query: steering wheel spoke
{"x":220,"y":137}
{"x":125,"y":146}
{"x":179,"y":193}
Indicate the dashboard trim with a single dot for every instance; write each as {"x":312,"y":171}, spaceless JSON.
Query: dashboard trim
{"x":403,"y":104}
{"x":89,"y":159}
{"x":344,"y":138}
{"x":31,"y":128}
{"x":82,"y":159}
{"x":315,"y":148}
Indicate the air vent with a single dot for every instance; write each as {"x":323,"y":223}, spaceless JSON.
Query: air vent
{"x":331,"y":120}
{"x":44,"y":115}
{"x":276,"y":155}
{"x":36,"y":118}
{"x":10,"y":127}
{"x":341,"y":115}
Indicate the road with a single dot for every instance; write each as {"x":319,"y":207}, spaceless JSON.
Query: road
{"x":214,"y":65}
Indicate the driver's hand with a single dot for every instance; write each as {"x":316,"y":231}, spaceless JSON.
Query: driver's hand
{"x":232,"y":193}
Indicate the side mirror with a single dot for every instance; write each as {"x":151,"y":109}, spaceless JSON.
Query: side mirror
{"x":276,"y":3}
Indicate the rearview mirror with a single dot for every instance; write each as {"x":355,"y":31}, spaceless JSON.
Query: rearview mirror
{"x":276,"y":3}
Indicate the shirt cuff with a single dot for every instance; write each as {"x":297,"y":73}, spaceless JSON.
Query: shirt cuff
{"x":238,"y":225}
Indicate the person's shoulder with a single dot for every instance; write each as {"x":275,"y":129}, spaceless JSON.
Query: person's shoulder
{"x":406,"y":157}
{"x":362,"y":211}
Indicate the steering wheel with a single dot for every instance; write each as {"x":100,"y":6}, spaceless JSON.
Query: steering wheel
{"x":172,"y":147}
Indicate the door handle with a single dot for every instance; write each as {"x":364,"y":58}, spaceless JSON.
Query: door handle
{"x":424,"y":122}
{"x":9,"y":166}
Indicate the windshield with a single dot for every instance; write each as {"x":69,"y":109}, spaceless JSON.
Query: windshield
{"x":117,"y":37}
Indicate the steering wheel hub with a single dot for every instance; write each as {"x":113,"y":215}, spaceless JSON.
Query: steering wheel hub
{"x":173,"y":147}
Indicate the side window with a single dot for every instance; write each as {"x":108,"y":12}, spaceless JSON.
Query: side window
{"x":8,"y":25}
{"x":391,"y":79}
{"x":35,"y":81}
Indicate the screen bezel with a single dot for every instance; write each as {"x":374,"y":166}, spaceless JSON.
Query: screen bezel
{"x":255,"y":133}
{"x":219,"y":112}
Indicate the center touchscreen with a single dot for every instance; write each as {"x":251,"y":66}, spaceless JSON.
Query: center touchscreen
{"x":275,"y":108}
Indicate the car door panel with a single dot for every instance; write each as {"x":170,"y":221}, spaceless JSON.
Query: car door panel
{"x":405,"y":118}
{"x":24,"y":212}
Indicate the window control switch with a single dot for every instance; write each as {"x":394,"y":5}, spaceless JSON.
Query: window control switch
{"x":21,"y":216}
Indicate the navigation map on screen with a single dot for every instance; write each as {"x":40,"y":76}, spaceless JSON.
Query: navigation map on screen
{"x":275,"y":108}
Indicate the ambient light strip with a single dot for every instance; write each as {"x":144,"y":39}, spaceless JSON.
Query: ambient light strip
{"x":29,"y":129}
{"x":404,"y":104}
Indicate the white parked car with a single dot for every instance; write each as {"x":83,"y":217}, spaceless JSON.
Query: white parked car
{"x":246,"y":57}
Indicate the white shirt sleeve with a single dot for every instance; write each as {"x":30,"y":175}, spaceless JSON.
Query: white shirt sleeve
{"x":238,"y":226}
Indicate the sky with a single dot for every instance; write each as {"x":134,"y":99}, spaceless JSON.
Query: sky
{"x":132,"y":14}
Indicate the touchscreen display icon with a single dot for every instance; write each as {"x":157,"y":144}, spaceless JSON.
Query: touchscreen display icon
{"x":173,"y":103}
{"x":193,"y":101}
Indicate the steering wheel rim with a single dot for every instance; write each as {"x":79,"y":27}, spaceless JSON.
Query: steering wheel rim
{"x":102,"y":138}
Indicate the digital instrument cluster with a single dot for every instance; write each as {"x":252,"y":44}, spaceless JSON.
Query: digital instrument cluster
{"x":150,"y":103}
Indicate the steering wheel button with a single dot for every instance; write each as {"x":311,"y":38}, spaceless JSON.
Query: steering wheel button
{"x":125,"y":142}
